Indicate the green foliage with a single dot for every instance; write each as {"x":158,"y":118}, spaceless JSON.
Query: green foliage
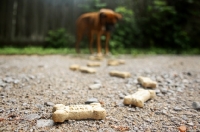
{"x":59,"y":39}
{"x":93,"y":5}
{"x":126,"y":32}
{"x":167,"y":24}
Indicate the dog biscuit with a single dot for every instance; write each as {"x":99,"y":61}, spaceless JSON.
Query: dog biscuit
{"x":87,"y":69}
{"x":97,"y":57}
{"x":120,"y":74}
{"x":93,"y":64}
{"x":147,"y":82}
{"x":78,"y":112}
{"x":74,"y":67}
{"x":139,"y":97}
{"x":115,"y":62}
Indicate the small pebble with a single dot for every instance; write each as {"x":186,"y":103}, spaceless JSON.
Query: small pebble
{"x":49,"y":104}
{"x":191,"y":123}
{"x":92,"y":100}
{"x":182,"y":128}
{"x":121,"y":96}
{"x":164,"y":91}
{"x":44,"y":123}
{"x":94,"y":86}
{"x":177,"y":109}
{"x":64,"y":92}
{"x":32,"y":117}
{"x":196,"y":105}
{"x":97,"y":82}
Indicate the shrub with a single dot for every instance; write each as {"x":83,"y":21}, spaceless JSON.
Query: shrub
{"x":59,"y":39}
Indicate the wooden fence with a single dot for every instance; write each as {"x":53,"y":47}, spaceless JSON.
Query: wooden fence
{"x":28,"y":21}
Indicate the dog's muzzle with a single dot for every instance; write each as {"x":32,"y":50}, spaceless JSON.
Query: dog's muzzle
{"x":110,"y":27}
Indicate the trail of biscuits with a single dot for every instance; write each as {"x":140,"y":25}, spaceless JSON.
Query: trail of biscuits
{"x":78,"y":112}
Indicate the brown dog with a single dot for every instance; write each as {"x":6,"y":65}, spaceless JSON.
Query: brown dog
{"x":96,"y":23}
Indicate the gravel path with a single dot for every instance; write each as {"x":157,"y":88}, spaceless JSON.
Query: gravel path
{"x":31,"y":85}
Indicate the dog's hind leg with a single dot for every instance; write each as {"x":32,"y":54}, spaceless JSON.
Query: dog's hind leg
{"x":78,"y":40}
{"x":91,"y":39}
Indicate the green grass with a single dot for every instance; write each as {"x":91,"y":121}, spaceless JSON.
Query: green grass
{"x":64,"y":51}
{"x":35,"y":50}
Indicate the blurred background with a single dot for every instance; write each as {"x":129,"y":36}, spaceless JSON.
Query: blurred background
{"x":165,"y":24}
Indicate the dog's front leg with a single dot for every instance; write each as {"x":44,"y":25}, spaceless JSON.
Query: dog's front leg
{"x":99,"y":43}
{"x":107,"y":42}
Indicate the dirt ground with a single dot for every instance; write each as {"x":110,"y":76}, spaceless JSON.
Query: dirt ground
{"x":31,"y":85}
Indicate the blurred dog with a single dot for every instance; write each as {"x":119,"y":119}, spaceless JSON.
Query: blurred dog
{"x":96,"y":23}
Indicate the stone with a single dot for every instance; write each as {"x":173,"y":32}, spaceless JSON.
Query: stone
{"x":64,"y":92}
{"x":49,"y":104}
{"x":94,"y":86}
{"x":182,"y":128}
{"x":44,"y":123}
{"x":97,"y":82}
{"x":177,"y":108}
{"x":121,"y":96}
{"x":32,"y":117}
{"x":8,"y":79}
{"x":196,"y":105}
{"x":92,"y":100}
{"x":2,"y":84}
{"x":164,"y":91}
{"x":1,"y":110}
{"x":190,"y":124}
{"x":16,"y":81}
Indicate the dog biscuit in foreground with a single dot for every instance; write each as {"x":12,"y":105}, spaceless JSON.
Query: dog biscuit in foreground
{"x":93,"y":64}
{"x":115,"y":62}
{"x":87,"y":69}
{"x":147,"y":82}
{"x":74,"y":67}
{"x":139,"y":97}
{"x":120,"y":74}
{"x":78,"y":112}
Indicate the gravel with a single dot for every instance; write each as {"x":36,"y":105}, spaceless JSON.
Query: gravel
{"x":31,"y":85}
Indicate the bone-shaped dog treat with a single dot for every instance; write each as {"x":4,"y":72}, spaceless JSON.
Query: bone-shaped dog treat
{"x":74,"y":67}
{"x":147,"y":82}
{"x":115,"y":62}
{"x":120,"y":74}
{"x":97,"y":57}
{"x":87,"y":69}
{"x":93,"y":64}
{"x":78,"y":112}
{"x":139,"y":97}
